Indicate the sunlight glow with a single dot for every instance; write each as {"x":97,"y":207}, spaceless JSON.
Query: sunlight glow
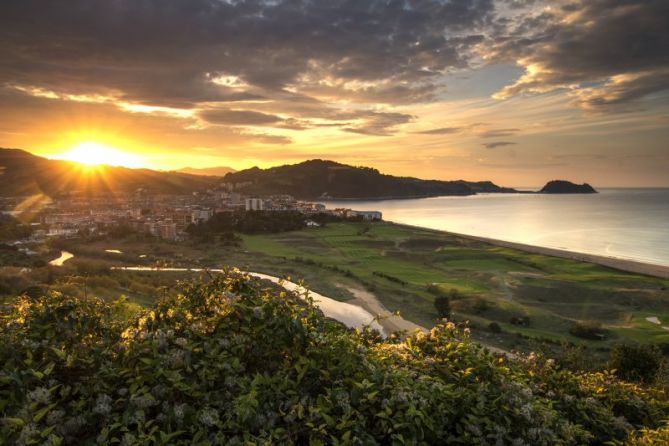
{"x":97,"y":154}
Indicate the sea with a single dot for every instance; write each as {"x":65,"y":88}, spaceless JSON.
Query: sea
{"x":630,"y":224}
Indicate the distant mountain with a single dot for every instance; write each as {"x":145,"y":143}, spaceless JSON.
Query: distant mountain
{"x":22,"y":173}
{"x":207,"y":171}
{"x":487,"y":187}
{"x":318,"y":179}
{"x":566,"y":187}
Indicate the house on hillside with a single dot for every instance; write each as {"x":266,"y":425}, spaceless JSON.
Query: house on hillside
{"x":366,"y":215}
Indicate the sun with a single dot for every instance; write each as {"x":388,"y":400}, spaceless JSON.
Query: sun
{"x":93,"y":154}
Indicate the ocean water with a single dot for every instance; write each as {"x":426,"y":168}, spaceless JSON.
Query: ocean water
{"x":624,"y":223}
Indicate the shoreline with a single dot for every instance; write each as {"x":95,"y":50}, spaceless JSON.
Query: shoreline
{"x":630,"y":266}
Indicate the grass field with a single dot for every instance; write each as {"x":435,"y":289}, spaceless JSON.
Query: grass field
{"x":397,"y":263}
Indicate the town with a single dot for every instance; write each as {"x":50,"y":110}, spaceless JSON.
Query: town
{"x":164,"y":216}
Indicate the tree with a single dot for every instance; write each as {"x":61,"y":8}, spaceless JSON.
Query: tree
{"x":443,"y":306}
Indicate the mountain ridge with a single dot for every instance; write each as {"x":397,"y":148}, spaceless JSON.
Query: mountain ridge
{"x":24,"y":174}
{"x":319,"y":179}
{"x":216,"y":171}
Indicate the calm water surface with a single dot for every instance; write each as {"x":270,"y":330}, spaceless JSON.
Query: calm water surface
{"x":625,"y":223}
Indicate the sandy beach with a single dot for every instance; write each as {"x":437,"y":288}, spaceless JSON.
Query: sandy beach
{"x":631,"y":266}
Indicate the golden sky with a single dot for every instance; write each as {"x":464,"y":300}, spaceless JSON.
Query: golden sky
{"x":514,"y":91}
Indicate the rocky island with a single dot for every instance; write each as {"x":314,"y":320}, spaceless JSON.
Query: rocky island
{"x":566,"y":187}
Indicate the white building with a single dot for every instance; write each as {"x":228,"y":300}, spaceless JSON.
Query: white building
{"x":201,"y":215}
{"x":255,"y":204}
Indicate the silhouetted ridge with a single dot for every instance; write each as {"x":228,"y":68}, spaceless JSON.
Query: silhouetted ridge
{"x":317,"y":178}
{"x":567,"y":187}
{"x":22,"y":174}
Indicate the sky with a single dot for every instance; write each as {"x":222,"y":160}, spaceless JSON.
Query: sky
{"x":514,"y":91}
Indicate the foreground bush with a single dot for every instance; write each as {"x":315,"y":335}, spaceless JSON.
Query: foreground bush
{"x":232,"y":362}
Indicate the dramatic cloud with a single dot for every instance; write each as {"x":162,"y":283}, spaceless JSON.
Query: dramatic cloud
{"x":239,"y":117}
{"x":494,"y":145}
{"x":499,"y":133}
{"x":441,"y":131}
{"x":607,"y":52}
{"x":379,"y":124}
{"x":185,"y":53}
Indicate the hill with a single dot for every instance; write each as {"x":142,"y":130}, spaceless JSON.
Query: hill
{"x":217,"y":171}
{"x":231,"y":361}
{"x":318,"y":178}
{"x":566,"y":187}
{"x":22,"y":174}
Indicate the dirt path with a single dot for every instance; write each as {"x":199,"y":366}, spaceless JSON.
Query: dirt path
{"x":390,"y":322}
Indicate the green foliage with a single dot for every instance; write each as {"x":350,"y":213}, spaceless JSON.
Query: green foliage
{"x":250,"y":222}
{"x":12,"y":229}
{"x":649,"y":437}
{"x":637,"y":362}
{"x":233,"y":362}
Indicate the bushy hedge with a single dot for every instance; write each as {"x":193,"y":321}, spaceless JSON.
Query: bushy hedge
{"x":234,"y":362}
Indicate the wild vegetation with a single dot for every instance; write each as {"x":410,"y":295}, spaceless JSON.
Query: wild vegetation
{"x":231,"y":361}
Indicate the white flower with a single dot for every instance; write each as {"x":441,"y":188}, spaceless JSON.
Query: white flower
{"x":179,"y":411}
{"x":526,"y":392}
{"x":143,"y":401}
{"x":208,"y":417}
{"x":181,"y":342}
{"x":103,"y":405}
{"x":128,"y":439}
{"x":27,"y":435}
{"x":40,"y":395}
{"x":55,"y":417}
{"x":526,"y":412}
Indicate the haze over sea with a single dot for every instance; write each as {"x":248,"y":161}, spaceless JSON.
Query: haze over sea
{"x":629,"y":224}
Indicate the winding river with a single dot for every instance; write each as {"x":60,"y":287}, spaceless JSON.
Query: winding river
{"x":64,"y":257}
{"x":350,"y":315}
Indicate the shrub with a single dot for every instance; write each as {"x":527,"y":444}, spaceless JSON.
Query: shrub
{"x":443,"y":306}
{"x":494,"y":327}
{"x":480,"y":305}
{"x":636,"y":362}
{"x":523,"y":321}
{"x":233,"y":362}
{"x":588,"y":330}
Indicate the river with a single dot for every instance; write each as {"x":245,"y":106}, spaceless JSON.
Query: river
{"x":64,"y":257}
{"x":350,"y":315}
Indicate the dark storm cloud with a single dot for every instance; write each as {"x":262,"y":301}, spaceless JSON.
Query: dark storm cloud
{"x":494,"y":145}
{"x":609,"y":52}
{"x":166,"y":52}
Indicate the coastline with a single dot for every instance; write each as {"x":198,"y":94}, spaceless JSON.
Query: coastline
{"x":630,"y":266}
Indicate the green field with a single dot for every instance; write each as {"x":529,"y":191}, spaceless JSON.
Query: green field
{"x":397,"y":263}
{"x":553,"y":292}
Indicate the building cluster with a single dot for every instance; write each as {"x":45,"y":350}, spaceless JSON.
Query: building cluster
{"x":164,"y":216}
